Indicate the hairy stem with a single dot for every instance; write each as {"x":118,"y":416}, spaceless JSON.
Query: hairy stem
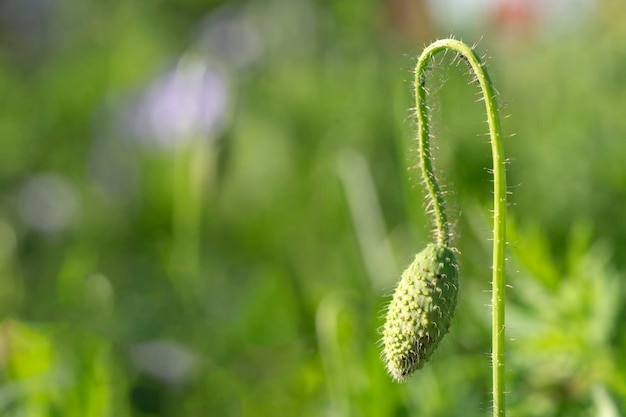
{"x":499,"y":202}
{"x":435,"y":194}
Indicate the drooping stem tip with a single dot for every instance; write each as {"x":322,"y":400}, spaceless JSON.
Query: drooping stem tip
{"x":436,"y":196}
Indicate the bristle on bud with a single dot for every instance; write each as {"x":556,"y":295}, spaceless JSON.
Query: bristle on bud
{"x":421,"y":310}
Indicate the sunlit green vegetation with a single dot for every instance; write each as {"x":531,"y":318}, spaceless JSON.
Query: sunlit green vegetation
{"x":204,"y":208}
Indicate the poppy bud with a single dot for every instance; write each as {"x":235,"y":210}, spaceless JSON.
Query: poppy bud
{"x":420,"y":311}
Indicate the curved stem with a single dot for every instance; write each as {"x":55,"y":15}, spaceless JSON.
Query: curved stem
{"x":434,"y":192}
{"x":499,"y":202}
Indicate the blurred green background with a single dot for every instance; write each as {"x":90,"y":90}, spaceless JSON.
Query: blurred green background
{"x":205,"y":205}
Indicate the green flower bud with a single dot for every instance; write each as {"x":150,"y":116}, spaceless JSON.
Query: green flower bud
{"x":421,"y":310}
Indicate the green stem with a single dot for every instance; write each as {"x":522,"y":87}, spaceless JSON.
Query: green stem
{"x":499,"y":202}
{"x":434,"y":192}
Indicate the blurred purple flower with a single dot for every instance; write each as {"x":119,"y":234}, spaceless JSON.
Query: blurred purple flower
{"x":189,"y":102}
{"x":193,"y":100}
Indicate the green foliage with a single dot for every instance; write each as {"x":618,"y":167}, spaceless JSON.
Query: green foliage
{"x":239,"y":271}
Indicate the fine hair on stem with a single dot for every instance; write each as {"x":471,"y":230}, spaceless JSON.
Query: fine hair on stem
{"x":436,"y":195}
